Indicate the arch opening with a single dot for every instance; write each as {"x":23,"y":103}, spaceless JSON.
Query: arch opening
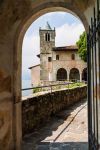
{"x":61,"y":74}
{"x":39,"y":10}
{"x":74,"y":74}
{"x":25,"y":25}
{"x":20,"y":35}
{"x":84,"y":74}
{"x":47,"y":38}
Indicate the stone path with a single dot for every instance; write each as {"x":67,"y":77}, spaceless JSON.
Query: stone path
{"x":65,"y":131}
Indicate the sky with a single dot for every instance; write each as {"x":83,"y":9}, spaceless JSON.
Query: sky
{"x":68,"y":29}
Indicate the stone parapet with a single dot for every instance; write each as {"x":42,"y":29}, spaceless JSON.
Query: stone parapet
{"x":37,"y":110}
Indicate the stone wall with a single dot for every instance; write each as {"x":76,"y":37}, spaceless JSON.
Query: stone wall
{"x":37,"y":110}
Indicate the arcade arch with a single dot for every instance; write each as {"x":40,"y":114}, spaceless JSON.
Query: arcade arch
{"x":74,"y":74}
{"x":61,"y":74}
{"x":84,"y":74}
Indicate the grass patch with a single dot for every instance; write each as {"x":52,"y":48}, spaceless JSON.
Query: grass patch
{"x":72,"y":85}
{"x":58,"y":87}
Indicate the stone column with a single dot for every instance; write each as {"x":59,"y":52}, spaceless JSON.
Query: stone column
{"x":80,"y":76}
{"x":68,"y":72}
{"x":50,"y":76}
{"x":55,"y":76}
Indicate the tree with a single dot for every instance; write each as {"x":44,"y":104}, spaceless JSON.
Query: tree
{"x":82,"y":48}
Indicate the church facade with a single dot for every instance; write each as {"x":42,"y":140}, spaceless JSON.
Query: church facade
{"x":57,"y":63}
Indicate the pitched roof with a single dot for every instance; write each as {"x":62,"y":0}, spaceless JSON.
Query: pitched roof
{"x":33,"y":66}
{"x":66,"y":48}
{"x":38,"y":55}
{"x":47,"y":26}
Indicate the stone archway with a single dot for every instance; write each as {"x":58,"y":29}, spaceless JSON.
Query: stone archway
{"x":18,"y":16}
{"x":15,"y":18}
{"x":61,"y":74}
{"x":74,"y":74}
{"x":84,"y":74}
{"x":38,"y":10}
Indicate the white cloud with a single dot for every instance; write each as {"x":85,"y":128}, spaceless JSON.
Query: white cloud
{"x":31,"y":44}
{"x":68,"y":34}
{"x":30,"y":49}
{"x":65,"y":35}
{"x":51,"y":14}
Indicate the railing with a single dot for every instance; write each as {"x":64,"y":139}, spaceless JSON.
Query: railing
{"x":93,"y":47}
{"x":55,"y":87}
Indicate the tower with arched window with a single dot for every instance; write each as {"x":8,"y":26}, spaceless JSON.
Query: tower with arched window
{"x":47,"y":42}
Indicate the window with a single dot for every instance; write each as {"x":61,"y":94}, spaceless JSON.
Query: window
{"x":73,"y":56}
{"x":57,"y":57}
{"x":49,"y":59}
{"x":47,"y":37}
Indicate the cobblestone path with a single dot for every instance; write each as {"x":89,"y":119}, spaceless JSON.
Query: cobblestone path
{"x":65,"y":131}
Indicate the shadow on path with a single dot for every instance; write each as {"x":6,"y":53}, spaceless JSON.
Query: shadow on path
{"x":47,"y":137}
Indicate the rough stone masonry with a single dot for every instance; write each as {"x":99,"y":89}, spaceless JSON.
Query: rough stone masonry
{"x":36,"y":110}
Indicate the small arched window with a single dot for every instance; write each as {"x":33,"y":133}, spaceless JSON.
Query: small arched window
{"x":73,"y":56}
{"x":49,"y":59}
{"x":57,"y":57}
{"x":47,"y":37}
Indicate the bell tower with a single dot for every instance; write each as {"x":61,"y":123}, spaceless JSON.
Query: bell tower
{"x":47,"y":42}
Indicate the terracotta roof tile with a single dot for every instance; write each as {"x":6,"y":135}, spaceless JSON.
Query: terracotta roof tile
{"x":66,"y":48}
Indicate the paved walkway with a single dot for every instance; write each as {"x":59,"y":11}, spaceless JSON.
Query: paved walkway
{"x":65,"y":131}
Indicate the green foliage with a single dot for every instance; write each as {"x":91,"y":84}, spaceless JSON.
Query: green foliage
{"x":58,"y":87}
{"x":36,"y":90}
{"x":82,"y":48}
{"x":72,"y":85}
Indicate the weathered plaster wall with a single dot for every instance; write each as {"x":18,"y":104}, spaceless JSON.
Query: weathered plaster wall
{"x":52,"y":67}
{"x":35,"y":75}
{"x":67,"y":63}
{"x":36,"y":110}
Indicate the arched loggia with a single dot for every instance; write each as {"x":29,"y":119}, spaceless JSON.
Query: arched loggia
{"x":74,"y":74}
{"x":61,"y":74}
{"x":84,"y":74}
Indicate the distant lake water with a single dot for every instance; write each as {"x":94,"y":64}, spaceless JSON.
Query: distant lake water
{"x":26,"y":84}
